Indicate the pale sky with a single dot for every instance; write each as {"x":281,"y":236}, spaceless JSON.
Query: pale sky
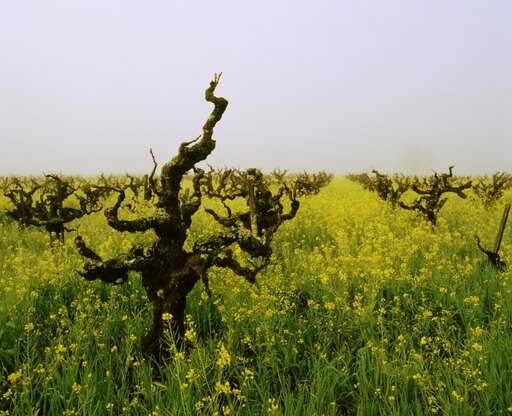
{"x":88,"y":86}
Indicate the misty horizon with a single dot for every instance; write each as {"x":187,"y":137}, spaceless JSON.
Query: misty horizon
{"x":403,"y":87}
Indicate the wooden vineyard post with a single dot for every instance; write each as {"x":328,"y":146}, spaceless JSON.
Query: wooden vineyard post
{"x":501,"y":230}
{"x":493,"y":256}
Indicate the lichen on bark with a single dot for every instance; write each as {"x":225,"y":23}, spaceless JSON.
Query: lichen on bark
{"x":168,"y":271}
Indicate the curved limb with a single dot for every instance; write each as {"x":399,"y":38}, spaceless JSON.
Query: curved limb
{"x":138,"y":225}
{"x":191,"y":153}
{"x":114,"y":270}
{"x":494,"y":258}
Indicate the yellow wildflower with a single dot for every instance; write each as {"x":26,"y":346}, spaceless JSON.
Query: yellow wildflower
{"x":13,"y":377}
{"x":224,"y":358}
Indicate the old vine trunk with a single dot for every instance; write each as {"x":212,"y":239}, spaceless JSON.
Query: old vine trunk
{"x":168,"y":271}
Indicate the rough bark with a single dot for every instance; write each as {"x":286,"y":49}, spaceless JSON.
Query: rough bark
{"x":168,"y":271}
{"x":431,"y":194}
{"x":42,"y":203}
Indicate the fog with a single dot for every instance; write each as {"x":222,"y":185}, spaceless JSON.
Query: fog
{"x":345,"y":86}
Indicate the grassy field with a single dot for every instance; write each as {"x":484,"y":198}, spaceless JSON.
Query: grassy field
{"x":365,"y":310}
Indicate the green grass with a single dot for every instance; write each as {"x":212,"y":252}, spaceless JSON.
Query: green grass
{"x":364,"y":311}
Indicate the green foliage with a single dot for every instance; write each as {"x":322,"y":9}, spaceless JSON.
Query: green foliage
{"x":4,"y":218}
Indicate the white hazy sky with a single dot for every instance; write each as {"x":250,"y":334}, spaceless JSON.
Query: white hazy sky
{"x":88,"y":86}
